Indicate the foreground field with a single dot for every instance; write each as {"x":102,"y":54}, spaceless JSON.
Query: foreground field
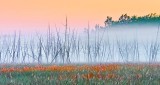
{"x":102,"y":74}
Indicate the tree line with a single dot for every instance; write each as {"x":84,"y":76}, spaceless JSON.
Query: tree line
{"x":151,"y":18}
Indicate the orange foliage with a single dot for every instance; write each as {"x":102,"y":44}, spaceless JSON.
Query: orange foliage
{"x":110,"y":76}
{"x":91,"y":71}
{"x":67,"y":68}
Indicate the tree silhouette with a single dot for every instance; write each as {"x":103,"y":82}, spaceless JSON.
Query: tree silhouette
{"x":108,"y":21}
{"x":125,"y":19}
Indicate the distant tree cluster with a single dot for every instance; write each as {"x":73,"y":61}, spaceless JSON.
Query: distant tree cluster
{"x":125,"y":19}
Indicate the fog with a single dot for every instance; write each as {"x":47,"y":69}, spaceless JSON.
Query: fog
{"x":133,"y":44}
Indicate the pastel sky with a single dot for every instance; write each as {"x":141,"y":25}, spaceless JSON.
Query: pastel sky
{"x":31,"y":15}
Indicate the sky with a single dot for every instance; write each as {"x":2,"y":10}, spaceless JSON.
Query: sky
{"x":35,"y":15}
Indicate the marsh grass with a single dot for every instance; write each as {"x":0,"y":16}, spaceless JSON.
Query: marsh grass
{"x":143,"y":74}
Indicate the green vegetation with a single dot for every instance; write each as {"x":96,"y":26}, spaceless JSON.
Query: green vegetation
{"x":124,"y":19}
{"x":126,"y":75}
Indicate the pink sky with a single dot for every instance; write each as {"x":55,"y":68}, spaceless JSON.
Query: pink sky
{"x":32,"y":15}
